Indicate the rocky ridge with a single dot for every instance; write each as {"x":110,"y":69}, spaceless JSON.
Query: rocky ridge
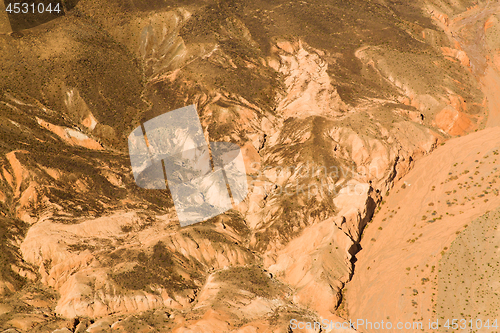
{"x":320,"y":152}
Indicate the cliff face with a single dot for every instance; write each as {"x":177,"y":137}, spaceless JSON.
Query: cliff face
{"x":331,"y":102}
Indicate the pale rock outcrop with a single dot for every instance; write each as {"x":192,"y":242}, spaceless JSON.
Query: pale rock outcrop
{"x":62,"y":330}
{"x":316,"y":264}
{"x":70,"y":136}
{"x":355,"y":207}
{"x":309,"y":87}
{"x":78,"y":108}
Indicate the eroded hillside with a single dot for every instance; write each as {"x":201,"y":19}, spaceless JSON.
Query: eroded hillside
{"x":332,"y":103}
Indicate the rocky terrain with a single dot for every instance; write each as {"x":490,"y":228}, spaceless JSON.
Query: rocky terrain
{"x":369,"y":139}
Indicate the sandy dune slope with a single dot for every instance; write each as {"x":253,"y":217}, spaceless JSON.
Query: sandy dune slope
{"x":395,"y":277}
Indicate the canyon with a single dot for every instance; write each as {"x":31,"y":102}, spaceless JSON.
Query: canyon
{"x":369,"y":131}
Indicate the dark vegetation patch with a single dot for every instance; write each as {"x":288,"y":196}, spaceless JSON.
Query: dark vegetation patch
{"x":157,"y":268}
{"x":10,"y":229}
{"x":232,"y":219}
{"x":77,"y":165}
{"x":103,"y":72}
{"x":251,"y":279}
{"x":291,"y":218}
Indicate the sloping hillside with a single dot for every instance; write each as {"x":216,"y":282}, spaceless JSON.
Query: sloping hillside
{"x":332,"y":103}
